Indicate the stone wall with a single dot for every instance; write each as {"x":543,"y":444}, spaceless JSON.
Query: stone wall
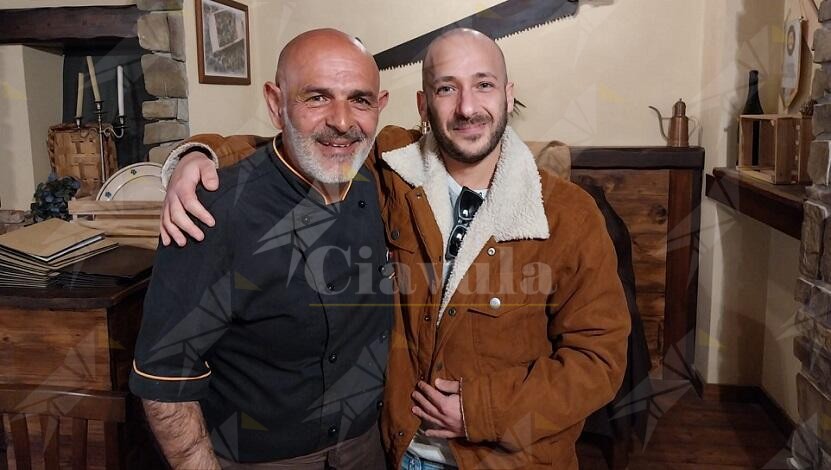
{"x":811,"y":446}
{"x":161,"y":32}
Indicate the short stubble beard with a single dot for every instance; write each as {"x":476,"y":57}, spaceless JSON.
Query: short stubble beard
{"x":451,"y":150}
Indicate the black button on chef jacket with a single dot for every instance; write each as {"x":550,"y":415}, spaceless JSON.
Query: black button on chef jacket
{"x":278,"y":322}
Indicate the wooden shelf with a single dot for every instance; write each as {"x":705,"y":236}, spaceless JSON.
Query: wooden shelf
{"x":778,"y":206}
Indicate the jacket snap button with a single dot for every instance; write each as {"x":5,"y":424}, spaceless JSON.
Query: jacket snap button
{"x":451,"y":311}
{"x":491,"y":251}
{"x":306,"y":219}
{"x":495,"y":303}
{"x":400,"y":433}
{"x":362,"y":204}
{"x":427,"y":317}
{"x":395,"y":234}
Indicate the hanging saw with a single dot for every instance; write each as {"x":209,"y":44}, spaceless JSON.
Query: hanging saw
{"x":499,"y":21}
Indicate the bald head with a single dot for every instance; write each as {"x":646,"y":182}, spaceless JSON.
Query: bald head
{"x":311,"y":44}
{"x":326,"y":98}
{"x":457,"y":43}
{"x":466,"y":96}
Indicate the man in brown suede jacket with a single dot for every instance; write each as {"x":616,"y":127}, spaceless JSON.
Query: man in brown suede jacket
{"x":511,"y":321}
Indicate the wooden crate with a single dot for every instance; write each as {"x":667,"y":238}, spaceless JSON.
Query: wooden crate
{"x":133,"y":223}
{"x":74,"y":152}
{"x":784,"y":145}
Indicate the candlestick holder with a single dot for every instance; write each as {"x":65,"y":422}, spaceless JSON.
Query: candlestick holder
{"x":115,"y":131}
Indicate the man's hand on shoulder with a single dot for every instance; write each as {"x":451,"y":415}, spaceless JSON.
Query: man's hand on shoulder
{"x":180,"y":200}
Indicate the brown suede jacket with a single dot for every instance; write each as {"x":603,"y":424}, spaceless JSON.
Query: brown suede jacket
{"x":532,"y":318}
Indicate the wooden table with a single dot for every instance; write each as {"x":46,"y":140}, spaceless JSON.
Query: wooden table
{"x":78,"y":338}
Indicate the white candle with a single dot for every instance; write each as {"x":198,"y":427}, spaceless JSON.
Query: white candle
{"x":120,"y":73}
{"x":93,"y":79}
{"x":79,"y":108}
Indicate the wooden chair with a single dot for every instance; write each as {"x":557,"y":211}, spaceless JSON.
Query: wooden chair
{"x":51,"y":404}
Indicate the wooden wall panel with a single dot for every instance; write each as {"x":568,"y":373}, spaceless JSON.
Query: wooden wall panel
{"x":649,"y":259}
{"x":641,"y":199}
{"x":654,"y":331}
{"x":651,"y":305}
{"x":59,"y":347}
{"x":682,"y":258}
{"x":626,"y":183}
{"x":68,"y":24}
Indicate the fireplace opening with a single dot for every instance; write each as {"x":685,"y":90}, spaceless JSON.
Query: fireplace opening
{"x":127,"y":54}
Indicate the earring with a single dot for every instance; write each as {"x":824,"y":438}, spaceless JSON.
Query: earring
{"x":424,"y":127}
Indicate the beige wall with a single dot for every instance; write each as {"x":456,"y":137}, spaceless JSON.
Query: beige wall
{"x":16,"y":176}
{"x":748,"y":270}
{"x":44,"y":86}
{"x":780,"y":365}
{"x":230,"y":109}
{"x":590,"y":91}
{"x":30,"y":101}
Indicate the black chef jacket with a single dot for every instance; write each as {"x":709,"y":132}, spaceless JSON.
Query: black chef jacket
{"x":278,"y":322}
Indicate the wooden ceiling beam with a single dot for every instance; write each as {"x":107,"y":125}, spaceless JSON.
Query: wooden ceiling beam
{"x":68,"y":24}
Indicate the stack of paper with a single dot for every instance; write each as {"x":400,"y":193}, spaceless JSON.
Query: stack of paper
{"x":117,"y":266}
{"x":33,"y":256}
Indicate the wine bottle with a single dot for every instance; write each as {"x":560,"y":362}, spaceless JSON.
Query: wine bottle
{"x":753,"y":106}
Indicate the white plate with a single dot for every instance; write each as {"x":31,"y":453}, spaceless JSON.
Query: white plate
{"x":137,"y":182}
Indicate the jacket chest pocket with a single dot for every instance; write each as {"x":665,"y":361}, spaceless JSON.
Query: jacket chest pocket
{"x":509,"y":331}
{"x":402,"y":245}
{"x":398,"y":225}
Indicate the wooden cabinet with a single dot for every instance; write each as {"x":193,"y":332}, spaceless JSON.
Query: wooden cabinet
{"x":657,"y":193}
{"x":75,"y":338}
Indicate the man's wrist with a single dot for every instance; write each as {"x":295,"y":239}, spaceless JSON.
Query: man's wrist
{"x":195,"y":153}
{"x":181,"y":151}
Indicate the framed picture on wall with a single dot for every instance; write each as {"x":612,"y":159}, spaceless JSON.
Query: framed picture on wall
{"x":223,"y":42}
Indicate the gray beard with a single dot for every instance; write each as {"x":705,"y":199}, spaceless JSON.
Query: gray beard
{"x":310,"y":163}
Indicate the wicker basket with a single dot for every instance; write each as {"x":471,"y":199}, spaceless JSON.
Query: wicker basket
{"x":74,"y":152}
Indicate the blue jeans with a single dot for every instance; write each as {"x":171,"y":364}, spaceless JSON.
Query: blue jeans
{"x":414,"y":462}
